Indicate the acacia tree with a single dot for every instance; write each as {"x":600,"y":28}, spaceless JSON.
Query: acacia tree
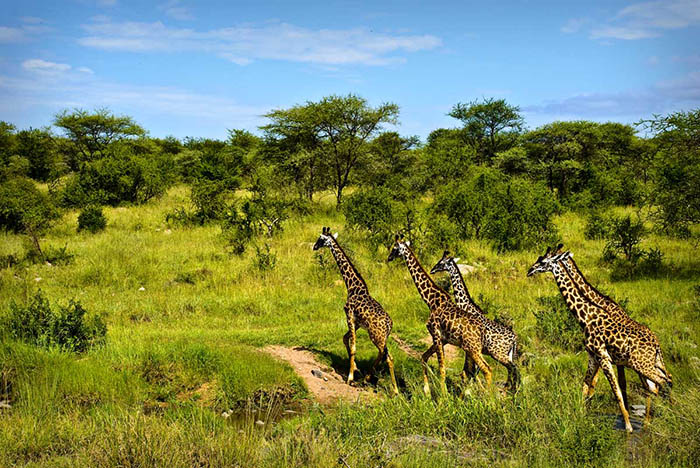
{"x":676,"y":190}
{"x":492,"y":124}
{"x":92,"y":133}
{"x":340,"y":126}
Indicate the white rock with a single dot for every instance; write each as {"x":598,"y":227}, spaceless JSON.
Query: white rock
{"x":142,"y":288}
{"x":260,"y":423}
{"x":466,"y":269}
{"x":37,"y":279}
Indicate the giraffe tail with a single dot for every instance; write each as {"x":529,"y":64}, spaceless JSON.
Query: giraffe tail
{"x":661,"y":369}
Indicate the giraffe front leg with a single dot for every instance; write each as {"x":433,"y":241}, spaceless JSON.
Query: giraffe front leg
{"x":349,"y":340}
{"x":424,"y":360}
{"x":441,"y":364}
{"x":475,"y":354}
{"x":608,"y":369}
{"x":622,"y":381}
{"x":591,"y":378}
{"x":390,"y":363}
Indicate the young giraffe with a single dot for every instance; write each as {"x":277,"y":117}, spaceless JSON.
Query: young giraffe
{"x":640,"y":349}
{"x":361,"y":310}
{"x":447,"y":323}
{"x":605,"y":339}
{"x":500,"y":342}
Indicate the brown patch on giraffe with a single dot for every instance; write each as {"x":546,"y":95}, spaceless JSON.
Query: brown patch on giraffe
{"x":324,"y":391}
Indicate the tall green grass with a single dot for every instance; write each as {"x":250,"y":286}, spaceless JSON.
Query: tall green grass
{"x":185,"y":348}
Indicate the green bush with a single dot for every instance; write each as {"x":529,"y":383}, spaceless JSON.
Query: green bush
{"x":597,"y":225}
{"x":373,"y":210}
{"x":265,"y":260}
{"x":120,"y":178}
{"x":512,"y":213}
{"x":557,"y":325}
{"x":66,"y":328}
{"x":624,"y":236}
{"x":23,"y":207}
{"x":92,"y":219}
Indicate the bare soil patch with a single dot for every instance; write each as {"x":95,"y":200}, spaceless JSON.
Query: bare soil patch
{"x":324,"y":383}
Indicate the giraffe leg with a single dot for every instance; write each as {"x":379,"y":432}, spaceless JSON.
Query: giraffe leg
{"x":349,"y":340}
{"x":651,"y":388}
{"x":441,"y":364}
{"x":469,"y":369}
{"x":591,"y":378}
{"x":607,"y":366}
{"x":424,"y":360}
{"x":622,"y":381}
{"x":481,"y":364}
{"x":390,"y":363}
{"x":380,"y":358}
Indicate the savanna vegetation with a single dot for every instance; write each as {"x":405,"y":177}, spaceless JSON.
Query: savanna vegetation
{"x":141,"y":278}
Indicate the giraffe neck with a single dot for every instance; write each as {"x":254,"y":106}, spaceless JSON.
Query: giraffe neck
{"x":574,"y":300}
{"x":430,"y":292}
{"x":586,"y":289}
{"x":461,"y":293}
{"x":353,"y":281}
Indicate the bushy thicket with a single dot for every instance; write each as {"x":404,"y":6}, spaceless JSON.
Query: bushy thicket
{"x":556,"y":324}
{"x":68,"y":328}
{"x":511,"y":213}
{"x":92,"y":219}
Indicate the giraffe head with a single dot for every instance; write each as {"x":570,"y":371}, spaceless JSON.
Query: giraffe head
{"x":547,"y":261}
{"x":399,"y":248}
{"x":325,"y":239}
{"x":446,"y":262}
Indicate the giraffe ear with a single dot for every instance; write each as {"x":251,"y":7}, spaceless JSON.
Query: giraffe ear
{"x":408,"y":243}
{"x":456,"y":259}
{"x":335,"y":236}
{"x":549,"y":249}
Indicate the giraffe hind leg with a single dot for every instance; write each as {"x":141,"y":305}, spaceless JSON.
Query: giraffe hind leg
{"x":607,"y":366}
{"x":424,"y":361}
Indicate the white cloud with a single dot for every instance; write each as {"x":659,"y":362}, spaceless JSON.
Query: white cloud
{"x":175,"y":10}
{"x":277,"y":41}
{"x":43,"y":66}
{"x":665,"y":96}
{"x":85,"y":70}
{"x":649,"y":19}
{"x":32,"y":20}
{"x":574,"y":25}
{"x":10,"y":34}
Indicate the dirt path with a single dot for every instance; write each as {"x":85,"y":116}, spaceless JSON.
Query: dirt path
{"x":323,"y":382}
{"x":451,"y":352}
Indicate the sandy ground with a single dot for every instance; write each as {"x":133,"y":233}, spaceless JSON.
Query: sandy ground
{"x":323,"y":382}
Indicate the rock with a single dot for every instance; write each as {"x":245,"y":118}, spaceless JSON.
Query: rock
{"x":466,"y":269}
{"x":319,"y":374}
{"x":225,"y":415}
{"x":37,"y":279}
{"x":142,"y":288}
{"x":259,"y":423}
{"x":4,"y":404}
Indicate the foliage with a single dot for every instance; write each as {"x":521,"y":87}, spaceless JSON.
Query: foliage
{"x":511,"y":213}
{"x":676,"y":190}
{"x":447,"y":156}
{"x":66,"y":328}
{"x":624,"y":236}
{"x":557,"y":325}
{"x":245,"y":220}
{"x":265,"y":260}
{"x":119,"y":178}
{"x":92,"y":134}
{"x":597,"y":226}
{"x":25,"y":209}
{"x":92,"y":219}
{"x":340,"y":126}
{"x":491,"y":125}
{"x":373,"y":210}
{"x":37,"y":147}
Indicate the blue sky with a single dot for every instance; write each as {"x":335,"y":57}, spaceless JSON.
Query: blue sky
{"x":198,"y":68}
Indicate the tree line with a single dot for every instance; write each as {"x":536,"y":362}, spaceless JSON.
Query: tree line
{"x":488,"y":177}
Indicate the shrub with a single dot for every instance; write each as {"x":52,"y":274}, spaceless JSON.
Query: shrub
{"x":116,"y":179}
{"x":92,"y":219}
{"x":597,"y":225}
{"x":512,"y":213}
{"x":557,"y":325}
{"x":264,"y":260}
{"x":624,"y":235}
{"x":66,"y":328}
{"x":260,"y":215}
{"x":373,"y":210}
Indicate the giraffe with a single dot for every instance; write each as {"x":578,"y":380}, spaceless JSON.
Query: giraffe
{"x":642,"y":352}
{"x":607,"y":341}
{"x":499,"y":340}
{"x":361,"y":310}
{"x":447,"y":323}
